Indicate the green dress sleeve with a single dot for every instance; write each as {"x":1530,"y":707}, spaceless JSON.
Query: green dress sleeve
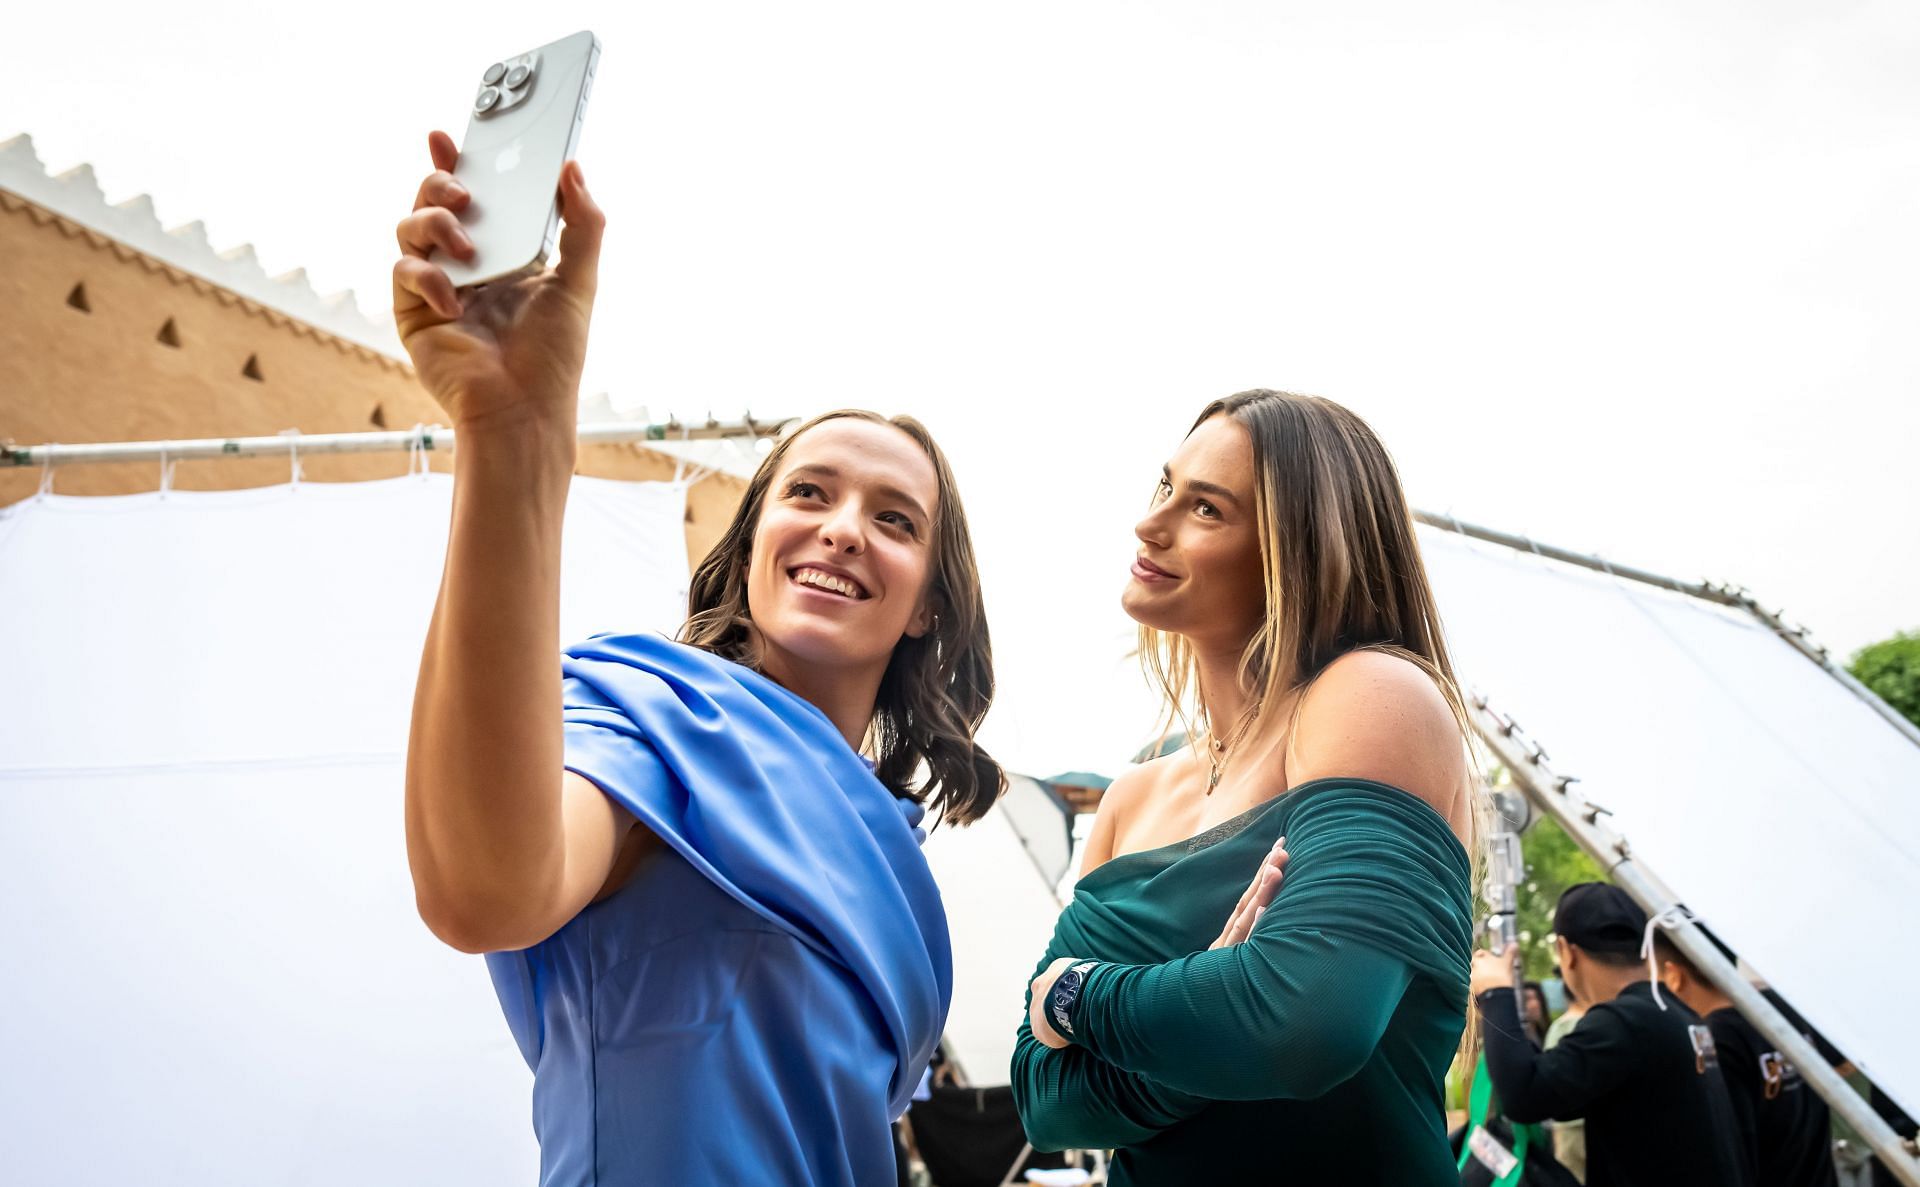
{"x":1375,"y":894}
{"x":1289,"y":1014}
{"x":1070,"y":1099}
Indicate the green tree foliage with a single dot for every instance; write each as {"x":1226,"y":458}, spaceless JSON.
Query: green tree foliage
{"x":1891,"y":668}
{"x":1554,"y":863}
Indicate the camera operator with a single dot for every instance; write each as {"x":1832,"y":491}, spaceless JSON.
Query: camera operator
{"x":1644,"y":1074}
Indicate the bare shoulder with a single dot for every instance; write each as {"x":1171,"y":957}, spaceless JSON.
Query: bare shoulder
{"x":1119,"y":805}
{"x":1372,"y":715}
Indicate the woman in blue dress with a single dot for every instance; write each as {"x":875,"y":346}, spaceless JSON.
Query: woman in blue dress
{"x":693,"y":865}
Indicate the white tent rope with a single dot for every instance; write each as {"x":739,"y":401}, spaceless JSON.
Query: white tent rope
{"x":1669,"y":918}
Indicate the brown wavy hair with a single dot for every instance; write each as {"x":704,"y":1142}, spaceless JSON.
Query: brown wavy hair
{"x":936,"y":688}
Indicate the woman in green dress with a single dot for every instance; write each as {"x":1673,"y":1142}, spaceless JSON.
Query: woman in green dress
{"x":1285,"y":609}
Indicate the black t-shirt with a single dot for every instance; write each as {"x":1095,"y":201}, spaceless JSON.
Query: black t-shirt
{"x":1781,"y":1119}
{"x":1647,"y":1081}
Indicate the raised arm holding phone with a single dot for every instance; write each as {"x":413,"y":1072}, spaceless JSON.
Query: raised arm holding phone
{"x":505,"y":845}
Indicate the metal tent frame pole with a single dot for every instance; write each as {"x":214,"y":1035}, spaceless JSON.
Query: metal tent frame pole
{"x":1734,"y":596}
{"x":430,"y":438}
{"x":1526,"y":762}
{"x":1698,"y":589}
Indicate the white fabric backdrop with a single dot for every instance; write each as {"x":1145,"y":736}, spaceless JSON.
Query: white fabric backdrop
{"x":1772,"y":800}
{"x":214,"y":973}
{"x":213,"y":969}
{"x":1001,"y":910}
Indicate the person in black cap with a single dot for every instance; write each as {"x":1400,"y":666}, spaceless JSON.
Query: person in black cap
{"x":1644,"y":1073}
{"x":1784,"y":1124}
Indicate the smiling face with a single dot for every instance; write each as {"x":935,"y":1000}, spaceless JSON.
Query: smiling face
{"x":1198,"y":570}
{"x":842,"y":553}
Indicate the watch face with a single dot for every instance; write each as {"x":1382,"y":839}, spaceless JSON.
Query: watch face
{"x":1066,"y":987}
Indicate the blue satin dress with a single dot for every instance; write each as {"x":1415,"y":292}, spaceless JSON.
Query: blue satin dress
{"x":757,"y":1003}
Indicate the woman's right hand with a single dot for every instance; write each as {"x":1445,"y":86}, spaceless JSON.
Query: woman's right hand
{"x":511,"y":351}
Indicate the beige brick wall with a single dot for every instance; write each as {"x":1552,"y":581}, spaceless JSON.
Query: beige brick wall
{"x":103,"y":375}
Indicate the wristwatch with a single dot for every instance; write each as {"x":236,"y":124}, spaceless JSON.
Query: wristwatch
{"x":1066,"y":991}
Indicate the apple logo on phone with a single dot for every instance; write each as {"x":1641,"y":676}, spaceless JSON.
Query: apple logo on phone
{"x":508,"y":160}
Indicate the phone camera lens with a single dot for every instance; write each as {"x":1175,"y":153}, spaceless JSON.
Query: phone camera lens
{"x":517,"y":77}
{"x":486,"y":99}
{"x":494,"y":73}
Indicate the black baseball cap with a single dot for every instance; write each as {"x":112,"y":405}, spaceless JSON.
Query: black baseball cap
{"x":1600,"y":917}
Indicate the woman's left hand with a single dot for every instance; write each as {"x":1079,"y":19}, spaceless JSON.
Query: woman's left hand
{"x":1039,"y":992}
{"x":1253,"y":904}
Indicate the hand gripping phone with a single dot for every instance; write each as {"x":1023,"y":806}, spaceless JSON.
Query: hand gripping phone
{"x":525,"y":124}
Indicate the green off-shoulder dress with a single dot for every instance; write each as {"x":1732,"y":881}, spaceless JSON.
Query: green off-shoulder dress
{"x":1312,"y":1053}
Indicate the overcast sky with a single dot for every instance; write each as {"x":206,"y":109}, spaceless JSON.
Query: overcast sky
{"x":1635,"y":278}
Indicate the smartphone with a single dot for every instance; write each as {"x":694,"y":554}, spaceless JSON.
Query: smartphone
{"x":524,"y":126}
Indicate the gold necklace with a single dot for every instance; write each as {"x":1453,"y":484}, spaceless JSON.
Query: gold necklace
{"x":1221,"y":749}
